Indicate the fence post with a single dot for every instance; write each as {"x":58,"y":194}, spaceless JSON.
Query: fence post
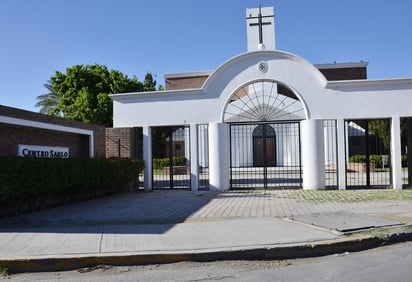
{"x":118,"y":148}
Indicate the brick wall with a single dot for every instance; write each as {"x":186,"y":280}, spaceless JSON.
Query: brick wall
{"x":331,"y":74}
{"x":124,"y":140}
{"x":177,"y":83}
{"x":78,"y":144}
{"x":12,"y":135}
{"x":344,"y":73}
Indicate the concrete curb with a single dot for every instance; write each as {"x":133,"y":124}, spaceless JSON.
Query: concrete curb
{"x":289,"y":251}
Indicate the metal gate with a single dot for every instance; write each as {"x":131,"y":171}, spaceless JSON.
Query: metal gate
{"x":171,"y":157}
{"x":368,"y":153}
{"x":265,"y":155}
{"x":406,"y":145}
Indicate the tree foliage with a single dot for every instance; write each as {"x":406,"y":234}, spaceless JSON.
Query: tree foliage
{"x":380,"y":128}
{"x":47,"y":102}
{"x":82,"y":93}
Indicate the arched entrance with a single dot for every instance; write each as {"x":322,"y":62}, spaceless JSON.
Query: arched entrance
{"x":264,"y":121}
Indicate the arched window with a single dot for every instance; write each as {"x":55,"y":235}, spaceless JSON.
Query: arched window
{"x":263,"y":101}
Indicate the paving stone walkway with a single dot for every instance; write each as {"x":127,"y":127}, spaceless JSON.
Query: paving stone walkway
{"x":169,"y":226}
{"x":181,"y":206}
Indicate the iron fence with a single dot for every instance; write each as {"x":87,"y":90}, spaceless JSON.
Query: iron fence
{"x":171,"y":157}
{"x":265,"y":155}
{"x":368,"y":160}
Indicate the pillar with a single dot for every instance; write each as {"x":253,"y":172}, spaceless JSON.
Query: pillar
{"x":313,"y":154}
{"x":341,"y":161}
{"x":219,"y":147}
{"x":194,"y":158}
{"x":91,"y":145}
{"x":396,"y":152}
{"x":147,"y":157}
{"x":409,"y":149}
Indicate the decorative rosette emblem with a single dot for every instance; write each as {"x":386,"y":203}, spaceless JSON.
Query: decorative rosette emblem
{"x":263,"y":67}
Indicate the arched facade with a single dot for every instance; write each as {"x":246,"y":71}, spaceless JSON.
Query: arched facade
{"x":318,"y":98}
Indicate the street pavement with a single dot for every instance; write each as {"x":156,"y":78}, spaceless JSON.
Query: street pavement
{"x":169,"y":226}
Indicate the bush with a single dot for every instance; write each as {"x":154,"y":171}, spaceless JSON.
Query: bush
{"x":374,"y":159}
{"x":357,"y":159}
{"x":165,"y":162}
{"x":34,"y":181}
{"x":404,"y":160}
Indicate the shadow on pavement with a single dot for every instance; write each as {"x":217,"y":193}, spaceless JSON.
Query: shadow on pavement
{"x":137,"y":213}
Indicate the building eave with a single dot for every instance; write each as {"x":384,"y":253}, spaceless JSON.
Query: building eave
{"x":188,"y":74}
{"x":156,"y":94}
{"x":341,"y":65}
{"x":369,"y":83}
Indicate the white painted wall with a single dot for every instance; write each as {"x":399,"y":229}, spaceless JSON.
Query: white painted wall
{"x":320,"y":99}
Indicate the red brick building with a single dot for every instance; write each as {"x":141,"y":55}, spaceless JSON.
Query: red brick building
{"x":21,"y":127}
{"x":332,"y":72}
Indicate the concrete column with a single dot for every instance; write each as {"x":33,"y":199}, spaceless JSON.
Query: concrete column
{"x":219,"y":146}
{"x":194,"y":158}
{"x":409,"y":149}
{"x":147,"y":157}
{"x":396,"y":153}
{"x":91,"y":145}
{"x":313,"y":154}
{"x":341,"y":161}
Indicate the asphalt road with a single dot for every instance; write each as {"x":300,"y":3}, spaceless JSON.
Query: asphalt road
{"x":390,"y":263}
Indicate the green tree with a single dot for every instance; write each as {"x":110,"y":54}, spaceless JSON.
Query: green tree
{"x":149,"y":84}
{"x":82,"y":93}
{"x":380,"y":128}
{"x":49,"y":101}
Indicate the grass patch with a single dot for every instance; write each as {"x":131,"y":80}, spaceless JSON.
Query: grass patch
{"x":381,"y":169}
{"x":330,"y":196}
{"x":350,"y":196}
{"x":4,"y":271}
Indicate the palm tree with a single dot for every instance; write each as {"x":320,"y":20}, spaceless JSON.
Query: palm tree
{"x":48,"y":102}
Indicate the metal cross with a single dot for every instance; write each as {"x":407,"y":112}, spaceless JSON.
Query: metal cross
{"x":260,"y":23}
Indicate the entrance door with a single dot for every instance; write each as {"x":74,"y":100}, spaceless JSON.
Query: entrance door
{"x":264,"y":146}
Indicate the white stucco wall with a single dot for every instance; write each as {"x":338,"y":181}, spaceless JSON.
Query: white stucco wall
{"x":320,"y":99}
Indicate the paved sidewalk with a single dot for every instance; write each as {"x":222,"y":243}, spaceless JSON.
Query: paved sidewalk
{"x":165,"y":226}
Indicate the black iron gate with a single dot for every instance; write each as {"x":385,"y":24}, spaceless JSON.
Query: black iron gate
{"x":368,"y":153}
{"x":406,"y":139}
{"x":265,"y":155}
{"x":171,"y":158}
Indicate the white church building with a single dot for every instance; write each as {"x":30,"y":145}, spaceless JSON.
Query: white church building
{"x":270,"y":119}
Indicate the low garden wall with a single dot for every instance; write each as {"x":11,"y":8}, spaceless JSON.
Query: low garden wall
{"x":360,"y":167}
{"x":177,"y":170}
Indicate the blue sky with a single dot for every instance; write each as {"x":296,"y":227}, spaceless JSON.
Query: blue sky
{"x":38,"y":37}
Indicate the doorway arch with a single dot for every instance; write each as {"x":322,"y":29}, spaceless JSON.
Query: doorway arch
{"x":264,"y":118}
